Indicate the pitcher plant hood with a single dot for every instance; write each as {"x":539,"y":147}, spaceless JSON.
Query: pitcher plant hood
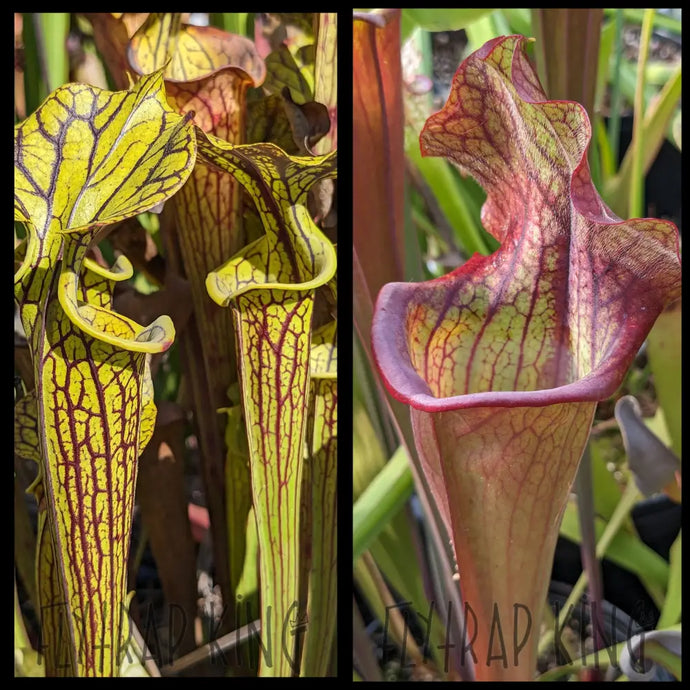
{"x":559,"y":311}
{"x":503,"y":360}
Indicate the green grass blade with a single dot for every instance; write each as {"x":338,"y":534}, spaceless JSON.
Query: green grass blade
{"x":35,"y":88}
{"x":664,"y":345}
{"x":660,"y":21}
{"x":232,"y":22}
{"x":52,"y":34}
{"x":380,"y":501}
{"x":480,"y":31}
{"x":456,"y":205}
{"x":637,"y":206}
{"x":670,"y":613}
{"x":439,"y":20}
{"x":616,"y":98}
{"x":625,"y":550}
{"x":655,"y":128}
{"x":657,"y":653}
{"x":519,"y":19}
{"x":607,"y":162}
{"x":599,"y":658}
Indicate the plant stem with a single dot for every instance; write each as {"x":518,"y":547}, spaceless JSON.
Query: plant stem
{"x":636,"y":208}
{"x":592,"y":566}
{"x":635,"y":16}
{"x":659,"y":654}
{"x":225,"y":643}
{"x":630,"y":496}
{"x":615,"y":115}
{"x":382,"y":499}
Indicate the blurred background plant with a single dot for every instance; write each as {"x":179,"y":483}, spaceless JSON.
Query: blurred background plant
{"x":420,"y":220}
{"x":196,"y":593}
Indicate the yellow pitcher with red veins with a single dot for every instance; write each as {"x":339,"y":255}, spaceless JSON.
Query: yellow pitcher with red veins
{"x":270,"y":287}
{"x":88,"y":158}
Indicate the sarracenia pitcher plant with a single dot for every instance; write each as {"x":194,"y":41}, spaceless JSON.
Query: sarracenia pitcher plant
{"x":503,"y":360}
{"x":270,"y":287}
{"x":213,"y":223}
{"x":85,"y":159}
{"x":89,"y":159}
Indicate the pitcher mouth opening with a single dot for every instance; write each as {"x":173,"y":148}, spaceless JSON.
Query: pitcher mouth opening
{"x":419,"y":372}
{"x":476,"y":354}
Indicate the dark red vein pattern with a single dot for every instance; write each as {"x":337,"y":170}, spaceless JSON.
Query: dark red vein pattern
{"x":90,"y":409}
{"x":322,"y":440}
{"x":207,"y":77}
{"x":504,"y":359}
{"x":194,"y":51}
{"x":55,"y":648}
{"x":273,"y":327}
{"x":87,"y":158}
{"x":270,"y":288}
{"x":570,"y":295}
